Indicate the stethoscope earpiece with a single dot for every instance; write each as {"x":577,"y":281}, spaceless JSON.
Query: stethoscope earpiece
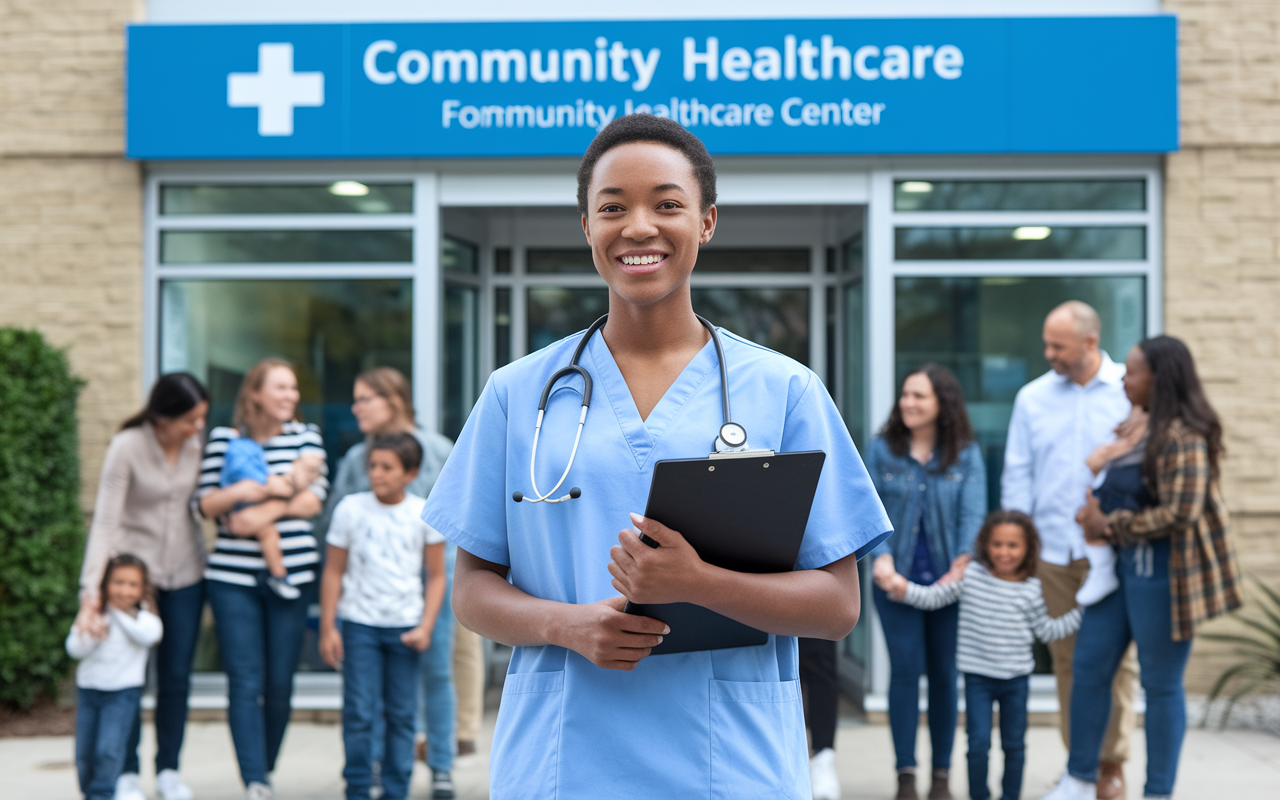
{"x":732,"y":435}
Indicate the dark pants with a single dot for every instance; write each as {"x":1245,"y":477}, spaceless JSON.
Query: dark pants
{"x":179,"y":610}
{"x":818,"y":677}
{"x":259,"y":638}
{"x":379,"y":676}
{"x":1140,"y":611}
{"x":920,"y":643}
{"x":980,"y":694}
{"x":103,"y":722}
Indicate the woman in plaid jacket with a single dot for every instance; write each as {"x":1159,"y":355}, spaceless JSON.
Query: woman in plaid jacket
{"x":1177,"y":567}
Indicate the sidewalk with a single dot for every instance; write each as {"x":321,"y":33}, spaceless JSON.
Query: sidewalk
{"x":1232,"y":764}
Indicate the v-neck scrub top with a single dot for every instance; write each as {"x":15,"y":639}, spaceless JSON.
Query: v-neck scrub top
{"x":710,"y":724}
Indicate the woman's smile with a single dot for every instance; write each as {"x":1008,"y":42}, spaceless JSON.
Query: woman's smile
{"x":640,"y":262}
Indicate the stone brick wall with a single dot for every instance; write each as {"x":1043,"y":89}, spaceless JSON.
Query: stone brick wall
{"x":1222,"y":260}
{"x":70,"y":205}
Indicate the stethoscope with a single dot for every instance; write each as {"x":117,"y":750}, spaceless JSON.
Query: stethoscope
{"x":732,"y":437}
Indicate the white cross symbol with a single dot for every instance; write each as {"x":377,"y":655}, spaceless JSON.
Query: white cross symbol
{"x":275,"y":89}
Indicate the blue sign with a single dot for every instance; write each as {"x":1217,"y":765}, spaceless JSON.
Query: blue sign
{"x":976,"y":85}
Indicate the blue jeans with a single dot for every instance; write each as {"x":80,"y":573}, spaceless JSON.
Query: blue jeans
{"x":1140,"y":611}
{"x":920,"y":643}
{"x":379,"y":679}
{"x":437,"y":701}
{"x":103,"y":722}
{"x":179,"y":610}
{"x":259,"y":638}
{"x":980,"y":694}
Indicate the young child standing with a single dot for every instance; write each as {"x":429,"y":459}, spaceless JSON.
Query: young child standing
{"x":245,"y":459}
{"x":1001,"y":611}
{"x":110,"y":677}
{"x":377,"y":545}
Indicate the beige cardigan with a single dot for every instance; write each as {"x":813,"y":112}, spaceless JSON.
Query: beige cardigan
{"x":143,"y":508}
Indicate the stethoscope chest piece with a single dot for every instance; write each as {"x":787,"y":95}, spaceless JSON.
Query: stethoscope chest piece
{"x":732,"y":437}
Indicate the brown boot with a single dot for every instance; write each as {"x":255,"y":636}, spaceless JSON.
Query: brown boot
{"x":1111,"y":780}
{"x":907,"y":787}
{"x":938,"y":789}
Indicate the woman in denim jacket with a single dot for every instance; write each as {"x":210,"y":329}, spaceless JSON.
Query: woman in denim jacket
{"x":929,"y":472}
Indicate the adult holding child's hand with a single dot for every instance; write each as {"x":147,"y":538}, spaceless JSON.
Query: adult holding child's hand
{"x":260,"y":629}
{"x":146,"y":482}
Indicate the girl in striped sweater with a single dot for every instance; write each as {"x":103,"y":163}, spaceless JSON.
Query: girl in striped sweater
{"x":1001,"y":611}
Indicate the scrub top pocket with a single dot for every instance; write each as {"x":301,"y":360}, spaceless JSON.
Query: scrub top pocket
{"x":531,"y":701}
{"x":757,"y":730}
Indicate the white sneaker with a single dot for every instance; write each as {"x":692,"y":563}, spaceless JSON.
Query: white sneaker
{"x":128,"y":788}
{"x":1070,"y":788}
{"x":822,"y":775}
{"x":258,"y":791}
{"x":1101,"y":580}
{"x":171,"y":787}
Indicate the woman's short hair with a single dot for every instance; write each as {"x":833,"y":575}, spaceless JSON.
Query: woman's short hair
{"x":173,"y":395}
{"x":954,"y":431}
{"x":391,"y":384}
{"x":659,"y":130}
{"x":249,"y":416}
{"x":1007,"y":516}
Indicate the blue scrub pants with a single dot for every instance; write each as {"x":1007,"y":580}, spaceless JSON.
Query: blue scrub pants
{"x":1141,"y":611}
{"x":920,"y":643}
{"x":103,"y":721}
{"x":179,"y":611}
{"x":980,"y":694}
{"x":379,"y":681}
{"x":260,"y":639}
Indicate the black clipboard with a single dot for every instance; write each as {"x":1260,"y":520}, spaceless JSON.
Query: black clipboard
{"x":742,"y":511}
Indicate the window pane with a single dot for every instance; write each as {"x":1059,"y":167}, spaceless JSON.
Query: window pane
{"x":501,"y":327}
{"x":775,"y":318}
{"x":1124,"y":195}
{"x":341,"y":197}
{"x":719,"y":260}
{"x":987,"y":331}
{"x":458,"y":256}
{"x":285,"y":247}
{"x":1024,"y":242}
{"x":554,"y":312}
{"x":543,"y":260}
{"x":502,"y":260}
{"x":461,"y":357}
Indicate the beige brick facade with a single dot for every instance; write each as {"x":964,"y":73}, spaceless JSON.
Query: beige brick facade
{"x":70,"y":205}
{"x":1222,"y":259}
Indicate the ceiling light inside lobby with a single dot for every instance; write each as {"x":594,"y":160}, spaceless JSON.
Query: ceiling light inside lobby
{"x":348,"y":189}
{"x":1031,"y":233}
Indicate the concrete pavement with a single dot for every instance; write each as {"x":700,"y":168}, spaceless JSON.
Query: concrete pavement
{"x":1231,"y":764}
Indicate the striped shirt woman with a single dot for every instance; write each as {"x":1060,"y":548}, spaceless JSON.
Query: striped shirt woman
{"x":238,"y":559}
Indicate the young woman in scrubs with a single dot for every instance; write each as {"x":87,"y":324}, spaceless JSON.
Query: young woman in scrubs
{"x":586,"y":712}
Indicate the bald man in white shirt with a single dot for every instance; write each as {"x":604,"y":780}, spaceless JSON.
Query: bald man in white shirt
{"x":1058,"y":420}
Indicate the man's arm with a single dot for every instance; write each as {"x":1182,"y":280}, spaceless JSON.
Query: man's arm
{"x":1019,"y":465}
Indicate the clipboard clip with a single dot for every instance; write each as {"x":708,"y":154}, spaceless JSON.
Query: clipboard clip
{"x":742,"y":454}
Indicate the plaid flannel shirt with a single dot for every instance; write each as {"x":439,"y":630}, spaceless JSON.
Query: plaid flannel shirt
{"x":1204,"y":577}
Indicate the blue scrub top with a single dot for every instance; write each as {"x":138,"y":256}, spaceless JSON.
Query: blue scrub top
{"x":710,"y":724}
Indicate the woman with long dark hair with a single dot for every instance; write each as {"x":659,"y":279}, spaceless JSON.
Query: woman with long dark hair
{"x":931,"y":478}
{"x":1162,"y":509}
{"x":148,"y":475}
{"x":260,"y":631}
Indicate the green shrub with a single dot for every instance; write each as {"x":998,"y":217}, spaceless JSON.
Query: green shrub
{"x":41,"y":524}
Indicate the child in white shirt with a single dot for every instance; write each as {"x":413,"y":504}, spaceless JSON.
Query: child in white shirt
{"x":375,"y":618}
{"x":110,"y":677}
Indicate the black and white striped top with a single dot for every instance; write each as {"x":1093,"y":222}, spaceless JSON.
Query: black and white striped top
{"x":998,"y":620}
{"x":238,"y":559}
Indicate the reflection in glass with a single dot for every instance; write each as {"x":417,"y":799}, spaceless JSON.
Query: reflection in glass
{"x":988,"y":331}
{"x":855,"y":350}
{"x":501,"y":327}
{"x":554,"y":312}
{"x":502,"y":260}
{"x":775,"y":318}
{"x":286,"y":247}
{"x":458,"y":256}
{"x":752,"y":260}
{"x":461,"y":369}
{"x":1102,"y":195}
{"x":339,"y":197}
{"x":541,"y":260}
{"x":1127,"y":243}
{"x":329,"y":330}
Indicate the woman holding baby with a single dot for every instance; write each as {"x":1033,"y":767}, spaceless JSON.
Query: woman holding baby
{"x":260,"y":627}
